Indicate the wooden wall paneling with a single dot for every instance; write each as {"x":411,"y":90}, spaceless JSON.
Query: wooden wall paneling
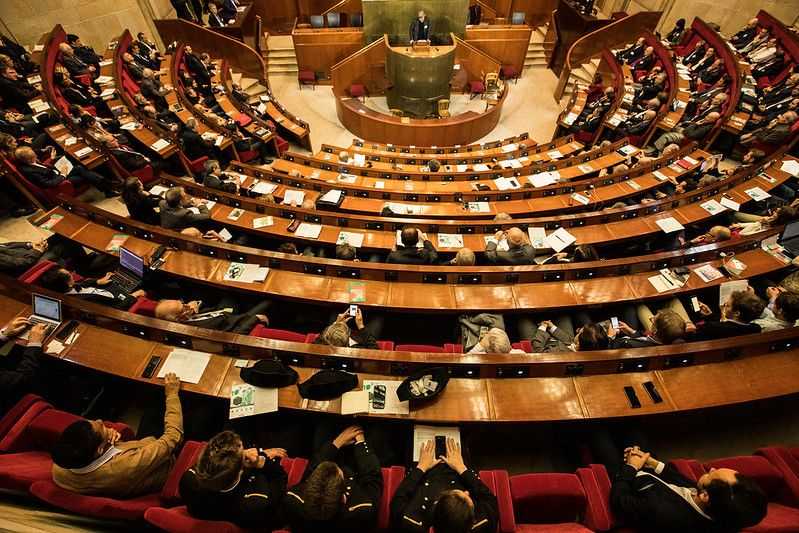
{"x":537,"y":12}
{"x":366,"y":66}
{"x":318,"y":50}
{"x":507,"y":44}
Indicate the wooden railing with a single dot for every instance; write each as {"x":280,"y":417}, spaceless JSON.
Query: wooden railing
{"x":488,"y":13}
{"x":356,"y":68}
{"x":240,"y":56}
{"x":475,"y":62}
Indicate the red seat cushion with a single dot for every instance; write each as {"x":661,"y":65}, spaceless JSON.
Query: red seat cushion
{"x":779,"y":519}
{"x":547,"y":498}
{"x":357,"y":90}
{"x":277,"y":334}
{"x":18,"y":410}
{"x":94,"y":506}
{"x":146,"y":174}
{"x":143,"y":306}
{"x":170,"y":493}
{"x":596,"y":485}
{"x":477,"y":87}
{"x":295,"y":468}
{"x":243,"y":120}
{"x":178,"y":520}
{"x":306,"y":76}
{"x":246,"y":156}
{"x":18,"y":471}
{"x":509,"y":71}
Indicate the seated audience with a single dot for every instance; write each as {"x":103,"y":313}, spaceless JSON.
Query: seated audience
{"x":141,"y":205}
{"x":102,"y":290}
{"x":46,"y":176}
{"x":520,"y":251}
{"x":340,"y":334}
{"x":89,"y":458}
{"x":221,"y":317}
{"x":179,"y":211}
{"x":410,"y":253}
{"x":737,"y":316}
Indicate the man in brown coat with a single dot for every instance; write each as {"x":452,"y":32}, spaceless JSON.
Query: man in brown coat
{"x":88,"y":459}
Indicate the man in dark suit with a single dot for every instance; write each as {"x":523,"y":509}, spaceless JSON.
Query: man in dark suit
{"x":337,"y":496}
{"x":79,"y":95}
{"x":442,"y":494}
{"x":220,"y":317}
{"x":229,"y":9}
{"x":134,"y":69}
{"x":420,"y":28}
{"x":735,"y":317}
{"x":192,"y":143}
{"x":84,"y":52}
{"x":72,"y":63}
{"x":655,"y":497}
{"x":45,"y":177}
{"x":771,"y":66}
{"x":152,"y":89}
{"x":17,"y":257}
{"x":184,"y":10}
{"x":128,"y":158}
{"x":705,"y":61}
{"x":713,"y":73}
{"x":214,"y":178}
{"x":410,"y":253}
{"x":101,"y":290}
{"x":214,"y":19}
{"x":179,"y":211}
{"x":589,"y":123}
{"x":18,"y":54}
{"x":745,"y":36}
{"x":632,"y":52}
{"x":696,"y":54}
{"x":196,"y":67}
{"x":15,"y":90}
{"x":646,"y":61}
{"x":775,"y":132}
{"x":18,"y":372}
{"x":520,"y":251}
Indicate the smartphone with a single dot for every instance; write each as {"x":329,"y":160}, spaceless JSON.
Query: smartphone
{"x":353,"y":310}
{"x":635,"y":403}
{"x":652,"y":391}
{"x":441,"y":446}
{"x":695,"y":303}
{"x":614,"y":321}
{"x":149,"y":370}
{"x":293,"y":226}
{"x":379,"y":397}
{"x":64,"y":333}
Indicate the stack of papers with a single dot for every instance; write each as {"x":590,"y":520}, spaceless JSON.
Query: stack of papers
{"x":664,"y":283}
{"x":537,"y":237}
{"x":478,"y":207}
{"x":248,"y":400}
{"x":225,"y":235}
{"x":509,"y":148}
{"x":116,"y":242}
{"x":350,"y":237}
{"x":585,"y":168}
{"x":579,"y":198}
{"x":544,"y":178}
{"x":791,"y":166}
{"x":159,"y":145}
{"x":188,"y":365}
{"x":158,"y":190}
{"x":332,"y":196}
{"x":450,"y":240}
{"x":712,"y":207}
{"x":292,"y":197}
{"x":263,"y":187}
{"x":730,"y":204}
{"x":628,"y":149}
{"x":129,"y":126}
{"x":708,"y":273}
{"x":757,"y":194}
{"x":347,"y":178}
{"x":103,"y":79}
{"x":669,"y":225}
{"x":309,"y":231}
{"x":83,"y":152}
{"x":63,"y":166}
{"x":107,"y":93}
{"x":263,"y":222}
{"x":480,"y":167}
{"x":407,"y":209}
{"x":559,"y":240}
{"x":660,"y":176}
{"x":504,"y":184}
{"x":246,"y":273}
{"x":728,"y":287}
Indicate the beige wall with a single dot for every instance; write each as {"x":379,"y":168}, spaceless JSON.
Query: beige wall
{"x":96,"y":21}
{"x":731,"y":15}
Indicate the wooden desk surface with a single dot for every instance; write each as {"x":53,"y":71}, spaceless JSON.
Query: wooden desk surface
{"x":473,"y":400}
{"x":522,"y":141}
{"x":507,"y":151}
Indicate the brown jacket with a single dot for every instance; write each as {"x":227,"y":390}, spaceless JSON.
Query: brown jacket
{"x":141,"y":468}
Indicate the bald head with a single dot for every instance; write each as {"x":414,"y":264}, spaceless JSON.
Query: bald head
{"x":712,"y":117}
{"x":515,"y":238}
{"x":464,"y":257}
{"x":502,"y":216}
{"x":169,"y":310}
{"x":409,"y":237}
{"x":720,"y":233}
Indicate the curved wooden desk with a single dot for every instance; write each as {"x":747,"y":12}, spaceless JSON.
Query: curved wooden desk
{"x":370,"y":124}
{"x":523,"y":141}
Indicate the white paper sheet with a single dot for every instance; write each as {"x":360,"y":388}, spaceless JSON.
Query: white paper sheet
{"x":478,"y":207}
{"x":757,"y":194}
{"x":663,"y":283}
{"x":422,"y":434}
{"x":712,"y":207}
{"x":505,"y":184}
{"x":292,"y":197}
{"x":542,"y":179}
{"x":333,"y":196}
{"x":791,"y":166}
{"x":728,"y":287}
{"x":537,"y":237}
{"x":580,"y":199}
{"x":159,"y":145}
{"x":502,"y":245}
{"x":263,"y":222}
{"x":158,"y":190}
{"x":350,"y":237}
{"x":450,"y":240}
{"x":308,"y":230}
{"x":246,"y":273}
{"x":355,"y":402}
{"x":708,"y":273}
{"x":250,"y":400}
{"x":730,"y":204}
{"x":669,"y":225}
{"x":188,"y":365}
{"x":263,"y":187}
{"x":559,"y":240}
{"x":392,"y":404}
{"x":63,"y":166}
{"x":660,"y":176}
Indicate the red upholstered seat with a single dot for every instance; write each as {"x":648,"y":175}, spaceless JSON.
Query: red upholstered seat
{"x":143,"y":306}
{"x":146,"y":174}
{"x":571,"y":527}
{"x":419,"y":348}
{"x":277,"y":334}
{"x":596,"y":485}
{"x":787,"y":462}
{"x":499,"y":485}
{"x":48,"y":196}
{"x":453,"y":348}
{"x":357,"y":90}
{"x":19,"y":410}
{"x":243,"y":120}
{"x":548,"y":499}
{"x":306,"y":77}
{"x":33,"y":274}
{"x":392,"y":477}
{"x":509,"y":72}
{"x":476,"y":87}
{"x":246,"y":156}
{"x":282,"y":145}
{"x":18,"y":471}
{"x":17,"y":420}
{"x":525,"y":346}
{"x":195,"y":167}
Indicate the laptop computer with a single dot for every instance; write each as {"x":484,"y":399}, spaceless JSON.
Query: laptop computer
{"x":130,"y":272}
{"x":789,"y":239}
{"x":46,"y":310}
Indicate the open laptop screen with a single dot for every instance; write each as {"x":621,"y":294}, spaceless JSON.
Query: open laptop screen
{"x":45,"y":307}
{"x":132,"y":262}
{"x":790,"y":238}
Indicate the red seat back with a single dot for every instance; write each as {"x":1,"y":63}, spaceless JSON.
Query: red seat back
{"x":18,"y":411}
{"x":178,"y":520}
{"x":277,"y":334}
{"x":547,"y":498}
{"x":189,"y":454}
{"x":419,"y":348}
{"x":143,"y":306}
{"x":36,"y":271}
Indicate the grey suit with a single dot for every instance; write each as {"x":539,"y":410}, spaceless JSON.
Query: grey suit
{"x":524,"y":255}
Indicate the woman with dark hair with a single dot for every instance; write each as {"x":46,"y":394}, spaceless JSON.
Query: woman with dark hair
{"x":675,"y":36}
{"x":141,"y":205}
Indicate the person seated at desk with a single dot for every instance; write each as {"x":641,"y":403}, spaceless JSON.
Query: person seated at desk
{"x":141,"y":204}
{"x":443,"y":495}
{"x":737,"y":316}
{"x":219,"y":317}
{"x":781,"y":312}
{"x":560,"y":336}
{"x":74,"y":65}
{"x":632,"y":52}
{"x":192,"y":143}
{"x":666,"y":327}
{"x":18,"y":256}
{"x":410,"y":253}
{"x":179,"y":211}
{"x":703,"y":62}
{"x":214,"y":178}
{"x":148,"y":49}
{"x":214,"y":19}
{"x":341,"y":335}
{"x":15,"y":89}
{"x":494,"y":340}
{"x":420,"y":28}
{"x":713,"y":73}
{"x":520,"y":251}
{"x":102,"y":290}
{"x":18,"y":373}
{"x":234,"y":484}
{"x":20,"y":58}
{"x":152,"y":89}
{"x":638,"y":123}
{"x":88,"y":457}
{"x":464,"y":257}
{"x":646,"y":61}
{"x":676,"y":34}
{"x":128,"y":158}
{"x":132,"y":67}
{"x":771,"y":66}
{"x":84,"y":52}
{"x":696,"y":54}
{"x":46,"y":177}
{"x":651,"y":85}
{"x":196,"y":67}
{"x":775,"y":132}
{"x":79,"y":95}
{"x":338,"y":494}
{"x":141,"y":57}
{"x":745,"y":35}
{"x":654,"y":497}
{"x":228,"y":9}
{"x":693,"y":130}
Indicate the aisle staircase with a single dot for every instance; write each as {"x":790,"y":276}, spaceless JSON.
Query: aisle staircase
{"x":281,"y":59}
{"x":250,"y":85}
{"x":582,"y":75}
{"x":536,"y":53}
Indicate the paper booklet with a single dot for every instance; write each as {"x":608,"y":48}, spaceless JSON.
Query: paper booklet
{"x":188,"y":365}
{"x":245,"y":273}
{"x":248,"y":400}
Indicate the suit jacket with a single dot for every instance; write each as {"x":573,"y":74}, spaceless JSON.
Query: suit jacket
{"x":644,"y":62}
{"x":194,"y":146}
{"x":40,"y":175}
{"x":697,"y":131}
{"x":74,"y":95}
{"x":16,"y":381}
{"x":650,"y":506}
{"x":253,"y":503}
{"x":219,"y":183}
{"x":87,"y":55}
{"x":228,"y":9}
{"x":141,"y":468}
{"x":198,"y":69}
{"x":118,"y":298}
{"x":721,"y":329}
{"x":180,"y":218}
{"x":16,"y":93}
{"x":129,"y":159}
{"x":420,"y":30}
{"x":426,"y":255}
{"x":697,"y":54}
{"x":74,"y":65}
{"x":631,"y":53}
{"x":556,"y":340}
{"x":775,"y":135}
{"x":412,"y":504}
{"x":143,"y":209}
{"x":214,"y":21}
{"x":241,"y":323}
{"x":743,"y":37}
{"x":17,"y":257}
{"x":363,"y":490}
{"x":711,"y":76}
{"x":523,"y":255}
{"x":151,"y":90}
{"x":702,"y":64}
{"x":135,"y":70}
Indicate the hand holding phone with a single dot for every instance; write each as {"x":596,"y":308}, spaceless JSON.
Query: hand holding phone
{"x":614,"y":321}
{"x":695,"y":304}
{"x":353,"y":311}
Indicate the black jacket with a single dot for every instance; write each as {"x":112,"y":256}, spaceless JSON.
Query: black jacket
{"x":652,"y":507}
{"x":180,"y":218}
{"x":697,"y":54}
{"x":16,"y":93}
{"x":743,"y":37}
{"x":17,"y":379}
{"x":363,"y":490}
{"x":697,"y":131}
{"x":74,"y":65}
{"x":40,"y":175}
{"x":76,"y":96}
{"x":412,"y":504}
{"x":87,"y":55}
{"x":419,"y":30}
{"x":253,"y":503}
{"x":426,"y":255}
{"x":241,"y":323}
{"x":722,"y":329}
{"x":17,"y":257}
{"x":198,"y":69}
{"x":143,"y":209}
{"x":129,"y":159}
{"x":362,"y":338}
{"x":219,"y":183}
{"x":194,"y":146}
{"x":515,"y":256}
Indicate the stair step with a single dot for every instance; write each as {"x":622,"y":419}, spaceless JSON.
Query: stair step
{"x":282,"y":61}
{"x":255,"y":90}
{"x":246,"y":83}
{"x":236,"y":77}
{"x":280,"y":69}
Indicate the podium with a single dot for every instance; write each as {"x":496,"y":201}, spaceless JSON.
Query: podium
{"x":419,"y":76}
